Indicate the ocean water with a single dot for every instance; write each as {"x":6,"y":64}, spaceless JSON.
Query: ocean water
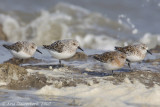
{"x":95,"y":24}
{"x":98,"y":25}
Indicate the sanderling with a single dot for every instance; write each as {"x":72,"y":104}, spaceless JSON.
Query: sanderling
{"x":22,"y":49}
{"x":63,"y":49}
{"x":134,"y":53}
{"x":112,"y":60}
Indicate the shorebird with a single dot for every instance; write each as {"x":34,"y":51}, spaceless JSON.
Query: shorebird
{"x":22,"y":49}
{"x":112,"y":60}
{"x":134,"y":53}
{"x":63,"y":49}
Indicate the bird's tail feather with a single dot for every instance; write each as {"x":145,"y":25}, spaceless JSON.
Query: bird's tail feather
{"x":118,"y":48}
{"x":6,"y":46}
{"x":96,"y":56}
{"x":46,"y":46}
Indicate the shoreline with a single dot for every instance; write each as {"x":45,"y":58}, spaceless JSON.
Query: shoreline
{"x":81,"y":82}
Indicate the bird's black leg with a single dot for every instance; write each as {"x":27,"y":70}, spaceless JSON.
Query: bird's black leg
{"x":129,"y":65}
{"x":21,"y":61}
{"x":112,"y":72}
{"x":60,"y":63}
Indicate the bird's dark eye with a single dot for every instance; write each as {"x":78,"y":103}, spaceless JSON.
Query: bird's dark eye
{"x":74,"y":44}
{"x":122,"y":57}
{"x":143,"y":48}
{"x":32,"y":46}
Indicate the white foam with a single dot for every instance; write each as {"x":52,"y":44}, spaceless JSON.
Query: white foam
{"x":135,"y":31}
{"x":48,"y":27}
{"x":151,"y":40}
{"x":125,"y":20}
{"x":67,"y":6}
{"x":61,"y":72}
{"x":101,"y":42}
{"x":2,"y":83}
{"x":107,"y":94}
{"x":11,"y":27}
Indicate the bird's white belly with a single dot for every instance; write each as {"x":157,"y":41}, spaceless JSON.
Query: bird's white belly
{"x":109,"y":66}
{"x":134,"y":58}
{"x":63,"y":55}
{"x":20,"y":55}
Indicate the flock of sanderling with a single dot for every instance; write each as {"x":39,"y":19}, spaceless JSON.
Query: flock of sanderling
{"x":63,"y":49}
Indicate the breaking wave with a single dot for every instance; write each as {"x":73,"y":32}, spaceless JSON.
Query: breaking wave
{"x":91,"y":29}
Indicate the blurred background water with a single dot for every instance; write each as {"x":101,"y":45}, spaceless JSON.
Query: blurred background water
{"x":100,"y":24}
{"x":96,"y":24}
